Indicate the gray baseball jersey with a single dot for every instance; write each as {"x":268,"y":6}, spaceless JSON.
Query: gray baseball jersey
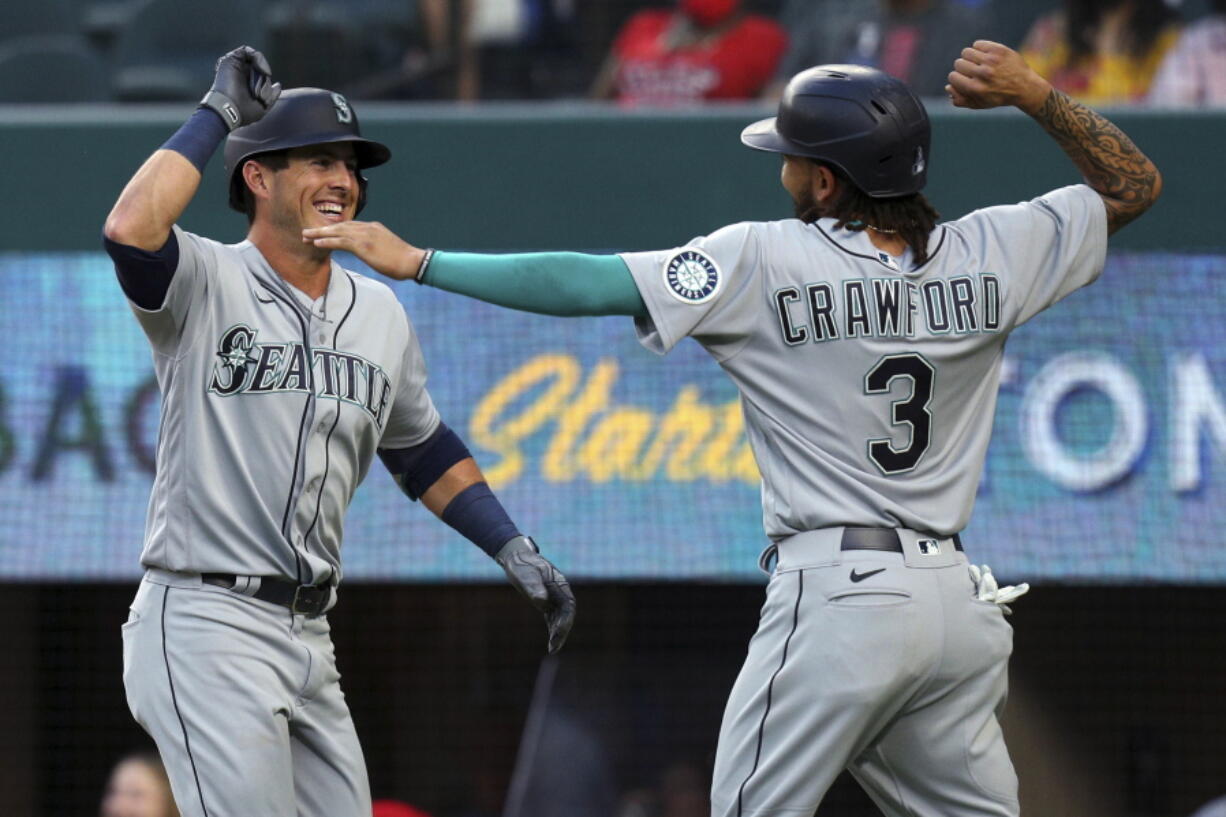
{"x":273,"y":405}
{"x":272,"y":408}
{"x":868,"y":386}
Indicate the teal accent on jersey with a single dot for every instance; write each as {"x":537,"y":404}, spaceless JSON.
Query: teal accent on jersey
{"x":565,"y":284}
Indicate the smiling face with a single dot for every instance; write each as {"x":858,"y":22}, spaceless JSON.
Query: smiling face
{"x":318,"y":186}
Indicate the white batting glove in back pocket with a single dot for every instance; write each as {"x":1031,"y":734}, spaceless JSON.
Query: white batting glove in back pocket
{"x":987,"y":589}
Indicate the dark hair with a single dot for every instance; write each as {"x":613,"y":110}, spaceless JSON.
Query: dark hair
{"x":1149,"y":18}
{"x":274,"y":159}
{"x":912,"y":217}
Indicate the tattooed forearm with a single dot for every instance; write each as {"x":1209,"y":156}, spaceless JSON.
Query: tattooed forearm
{"x":1120,"y":173}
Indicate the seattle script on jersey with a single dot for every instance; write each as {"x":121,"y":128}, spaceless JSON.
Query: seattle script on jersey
{"x":246,"y":367}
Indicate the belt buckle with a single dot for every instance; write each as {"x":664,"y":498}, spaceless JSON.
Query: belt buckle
{"x":311,"y":603}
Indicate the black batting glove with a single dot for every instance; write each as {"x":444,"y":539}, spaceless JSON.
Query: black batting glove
{"x":243,"y":89}
{"x":542,"y":584}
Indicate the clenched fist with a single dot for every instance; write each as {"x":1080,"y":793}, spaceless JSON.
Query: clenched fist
{"x":991,"y":75}
{"x":243,"y":89}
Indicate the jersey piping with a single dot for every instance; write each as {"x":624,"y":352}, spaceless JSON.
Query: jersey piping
{"x":876,"y":260}
{"x":306,"y":537}
{"x":174,"y":700}
{"x":770,"y":688}
{"x":289,"y":500}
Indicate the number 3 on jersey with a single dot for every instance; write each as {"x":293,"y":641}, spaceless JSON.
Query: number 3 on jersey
{"x":912,"y":411}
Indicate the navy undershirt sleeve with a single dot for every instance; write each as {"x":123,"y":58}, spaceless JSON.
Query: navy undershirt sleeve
{"x":478,"y":515}
{"x":145,"y":276}
{"x":418,"y":467}
{"x":474,"y":512}
{"x":199,"y":137}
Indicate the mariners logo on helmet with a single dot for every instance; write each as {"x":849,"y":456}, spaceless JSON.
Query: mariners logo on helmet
{"x":692,"y":276}
{"x":344,"y":114}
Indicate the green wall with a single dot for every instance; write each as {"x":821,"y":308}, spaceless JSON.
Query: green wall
{"x":550,"y":177}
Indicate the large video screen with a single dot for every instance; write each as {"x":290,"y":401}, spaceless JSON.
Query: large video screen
{"x":1108,"y":460}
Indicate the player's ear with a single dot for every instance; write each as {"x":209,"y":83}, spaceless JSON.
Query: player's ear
{"x":825,"y":184}
{"x":255,"y":176}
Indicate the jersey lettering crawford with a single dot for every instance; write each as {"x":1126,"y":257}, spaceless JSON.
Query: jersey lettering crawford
{"x":868,"y":384}
{"x":887,"y":308}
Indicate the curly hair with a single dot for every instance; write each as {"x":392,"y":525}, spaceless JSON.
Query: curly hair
{"x":912,"y":217}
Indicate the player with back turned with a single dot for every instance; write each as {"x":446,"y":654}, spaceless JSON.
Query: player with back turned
{"x":282,"y":376}
{"x":866,"y":340}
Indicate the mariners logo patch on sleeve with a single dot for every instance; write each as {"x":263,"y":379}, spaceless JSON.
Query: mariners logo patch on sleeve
{"x":691,"y":276}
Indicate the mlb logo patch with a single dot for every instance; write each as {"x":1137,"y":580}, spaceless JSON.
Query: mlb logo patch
{"x":929,"y":547}
{"x":691,"y":276}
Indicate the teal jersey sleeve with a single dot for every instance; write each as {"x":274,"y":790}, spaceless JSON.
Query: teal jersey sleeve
{"x":565,"y":284}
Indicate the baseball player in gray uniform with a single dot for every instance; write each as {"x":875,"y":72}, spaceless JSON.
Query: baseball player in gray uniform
{"x":282,"y":376}
{"x":866,"y":340}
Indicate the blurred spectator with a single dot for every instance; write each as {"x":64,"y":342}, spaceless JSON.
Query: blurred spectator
{"x":1194,"y":71}
{"x":1102,"y":52}
{"x":395,"y":808}
{"x":425,"y":68}
{"x":915,"y":40}
{"x":699,"y":50}
{"x":517,"y":49}
{"x":138,"y":787}
{"x":1214,"y":808}
{"x":683,"y":792}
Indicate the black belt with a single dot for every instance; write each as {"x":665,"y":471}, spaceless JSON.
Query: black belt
{"x":304,"y":599}
{"x":885,"y":539}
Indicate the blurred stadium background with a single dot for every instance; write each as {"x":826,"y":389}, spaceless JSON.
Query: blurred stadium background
{"x":1104,"y":488}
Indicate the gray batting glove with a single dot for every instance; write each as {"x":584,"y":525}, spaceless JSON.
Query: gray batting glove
{"x":243,"y":89}
{"x":542,"y":584}
{"x":986,"y":588}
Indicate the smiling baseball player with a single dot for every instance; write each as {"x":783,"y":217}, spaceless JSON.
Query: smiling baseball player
{"x":282,"y":375}
{"x":866,"y":340}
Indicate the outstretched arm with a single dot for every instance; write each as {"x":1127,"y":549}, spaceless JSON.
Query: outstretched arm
{"x":990,"y":75}
{"x":565,"y":284}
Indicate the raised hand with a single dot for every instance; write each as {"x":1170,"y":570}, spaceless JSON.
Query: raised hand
{"x":990,"y":75}
{"x":243,"y":89}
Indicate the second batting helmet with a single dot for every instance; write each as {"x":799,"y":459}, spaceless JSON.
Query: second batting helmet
{"x":301,"y":117}
{"x":861,"y":120}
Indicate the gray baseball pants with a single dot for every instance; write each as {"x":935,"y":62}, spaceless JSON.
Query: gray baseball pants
{"x":885,"y":664}
{"x":244,"y":702}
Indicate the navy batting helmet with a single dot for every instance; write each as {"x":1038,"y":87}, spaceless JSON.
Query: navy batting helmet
{"x":301,"y":117}
{"x":861,"y":120}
